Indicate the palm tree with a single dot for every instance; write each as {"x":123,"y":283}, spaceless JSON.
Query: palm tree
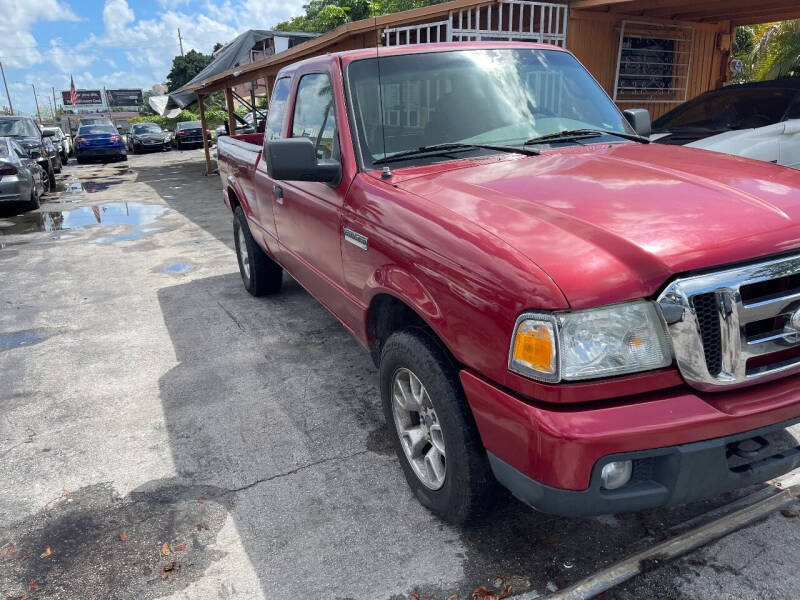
{"x":768,"y":51}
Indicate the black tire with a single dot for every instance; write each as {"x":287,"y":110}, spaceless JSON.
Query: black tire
{"x":177,"y":145}
{"x":51,"y":177}
{"x":469,"y":487}
{"x":34,"y":202}
{"x":265,"y":276}
{"x":132,"y":150}
{"x":79,"y":160}
{"x":65,"y":160}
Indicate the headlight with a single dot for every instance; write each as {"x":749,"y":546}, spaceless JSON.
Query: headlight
{"x":587,"y":344}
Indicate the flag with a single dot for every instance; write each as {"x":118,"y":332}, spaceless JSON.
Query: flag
{"x":73,"y":94}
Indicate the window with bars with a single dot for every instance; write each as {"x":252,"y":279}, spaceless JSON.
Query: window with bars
{"x":653,"y":63}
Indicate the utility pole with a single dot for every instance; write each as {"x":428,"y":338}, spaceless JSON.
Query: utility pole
{"x":36,"y":100}
{"x":5,"y":83}
{"x":55,"y":104}
{"x":52,"y":109}
{"x":180,"y":40}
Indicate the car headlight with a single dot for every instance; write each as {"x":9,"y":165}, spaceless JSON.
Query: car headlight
{"x":587,"y":344}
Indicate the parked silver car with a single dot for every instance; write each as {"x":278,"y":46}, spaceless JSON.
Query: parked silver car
{"x":61,"y":142}
{"x":22,"y":180}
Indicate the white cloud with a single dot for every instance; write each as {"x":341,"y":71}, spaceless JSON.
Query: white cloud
{"x":18,"y":47}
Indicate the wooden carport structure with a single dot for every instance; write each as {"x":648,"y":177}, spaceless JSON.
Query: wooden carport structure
{"x":653,"y":54}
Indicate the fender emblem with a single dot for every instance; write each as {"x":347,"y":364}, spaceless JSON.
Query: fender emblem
{"x":355,"y":238}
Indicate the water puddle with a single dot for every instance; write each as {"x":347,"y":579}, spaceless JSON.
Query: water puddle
{"x":98,"y":186}
{"x":113,"y":213}
{"x":177,"y":268}
{"x":26,"y":337}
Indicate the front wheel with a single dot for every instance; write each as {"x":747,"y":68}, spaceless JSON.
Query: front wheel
{"x":260,"y":274}
{"x":432,"y":429}
{"x":51,"y":178}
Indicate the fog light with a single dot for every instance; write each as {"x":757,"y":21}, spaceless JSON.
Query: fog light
{"x":616,"y":474}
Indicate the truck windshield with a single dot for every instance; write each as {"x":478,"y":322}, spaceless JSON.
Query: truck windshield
{"x":501,"y":97}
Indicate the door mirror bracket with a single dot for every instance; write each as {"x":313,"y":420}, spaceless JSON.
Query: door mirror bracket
{"x":295,"y":159}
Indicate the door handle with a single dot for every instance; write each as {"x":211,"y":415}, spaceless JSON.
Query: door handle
{"x":278,"y":192}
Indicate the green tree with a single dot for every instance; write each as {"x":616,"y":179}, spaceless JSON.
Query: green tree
{"x":768,"y":51}
{"x":323,"y":15}
{"x":184,"y":68}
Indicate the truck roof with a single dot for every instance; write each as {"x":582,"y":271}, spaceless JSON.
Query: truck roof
{"x":347,"y":56}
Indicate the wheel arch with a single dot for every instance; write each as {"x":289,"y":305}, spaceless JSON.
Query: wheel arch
{"x":389,"y":312}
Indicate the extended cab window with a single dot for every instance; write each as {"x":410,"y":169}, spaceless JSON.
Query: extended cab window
{"x":314,"y":116}
{"x":277,"y":109}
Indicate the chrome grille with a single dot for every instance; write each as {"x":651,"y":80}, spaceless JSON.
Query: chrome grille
{"x":736,"y":326}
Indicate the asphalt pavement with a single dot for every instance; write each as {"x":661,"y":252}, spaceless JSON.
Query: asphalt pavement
{"x":165,"y":435}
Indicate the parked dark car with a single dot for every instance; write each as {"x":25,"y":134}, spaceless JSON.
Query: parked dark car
{"x":27,"y":133}
{"x":147,"y":136}
{"x":189,"y":133}
{"x":22,"y":180}
{"x":101,"y":142}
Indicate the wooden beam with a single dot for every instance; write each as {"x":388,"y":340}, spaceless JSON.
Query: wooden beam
{"x":201,"y":102}
{"x":719,"y":8}
{"x":231,"y":111}
{"x":765,"y":17}
{"x":583,"y":4}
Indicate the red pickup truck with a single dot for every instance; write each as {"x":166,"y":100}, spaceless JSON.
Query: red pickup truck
{"x":597,"y":323}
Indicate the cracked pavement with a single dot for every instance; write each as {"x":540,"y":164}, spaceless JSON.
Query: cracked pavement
{"x":146,"y":399}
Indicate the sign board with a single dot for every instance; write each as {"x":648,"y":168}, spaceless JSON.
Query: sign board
{"x":85,"y":98}
{"x":124,"y":97}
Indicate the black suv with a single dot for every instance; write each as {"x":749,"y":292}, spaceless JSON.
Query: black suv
{"x":31,"y":138}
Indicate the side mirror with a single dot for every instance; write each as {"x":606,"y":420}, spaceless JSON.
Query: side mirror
{"x":48,"y":133}
{"x":639,"y":118}
{"x":294,"y":159}
{"x":791,"y":127}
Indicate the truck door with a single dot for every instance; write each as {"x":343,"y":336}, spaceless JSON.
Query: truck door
{"x":307,"y":214}
{"x":262,"y":182}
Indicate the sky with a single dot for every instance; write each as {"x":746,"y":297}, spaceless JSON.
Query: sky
{"x":115,"y":43}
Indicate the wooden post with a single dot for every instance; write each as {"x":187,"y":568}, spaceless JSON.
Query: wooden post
{"x":231,"y":111}
{"x":200,"y":101}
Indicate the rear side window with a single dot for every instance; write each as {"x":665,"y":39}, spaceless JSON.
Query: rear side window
{"x":794,"y":110}
{"x":314,"y":116}
{"x":277,"y":109}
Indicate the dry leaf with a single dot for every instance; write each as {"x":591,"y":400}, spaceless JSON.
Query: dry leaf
{"x":46,"y":553}
{"x":507,"y":591}
{"x":123,"y":536}
{"x":33,"y":585}
{"x":165,"y":549}
{"x":201,"y":500}
{"x":7,"y":549}
{"x":789,"y":514}
{"x":167,"y":569}
{"x":414,"y":595}
{"x":179,"y":547}
{"x":481,"y":592}
{"x":16,"y":598}
{"x":452,"y":597}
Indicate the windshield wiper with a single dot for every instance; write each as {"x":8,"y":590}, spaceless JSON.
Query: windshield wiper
{"x":574,"y":134}
{"x":452,"y":146}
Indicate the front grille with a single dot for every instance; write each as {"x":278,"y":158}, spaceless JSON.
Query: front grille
{"x":705,"y":305}
{"x":736,"y":326}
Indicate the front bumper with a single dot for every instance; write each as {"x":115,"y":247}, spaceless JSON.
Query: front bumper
{"x":550,"y":456}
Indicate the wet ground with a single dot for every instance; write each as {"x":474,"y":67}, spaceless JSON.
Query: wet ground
{"x":164,"y":434}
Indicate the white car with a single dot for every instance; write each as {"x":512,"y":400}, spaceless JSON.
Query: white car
{"x":61,"y":142}
{"x":756,"y":120}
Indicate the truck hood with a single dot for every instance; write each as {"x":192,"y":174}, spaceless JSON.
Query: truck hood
{"x":614,"y":222}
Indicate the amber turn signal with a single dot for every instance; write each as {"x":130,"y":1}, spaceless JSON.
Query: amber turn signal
{"x":533,"y":350}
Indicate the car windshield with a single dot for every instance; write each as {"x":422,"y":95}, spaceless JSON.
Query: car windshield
{"x":18,"y":128}
{"x":729,"y":108}
{"x":146,"y":128}
{"x":95,"y":129}
{"x":490,"y":97}
{"x":189,"y":125}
